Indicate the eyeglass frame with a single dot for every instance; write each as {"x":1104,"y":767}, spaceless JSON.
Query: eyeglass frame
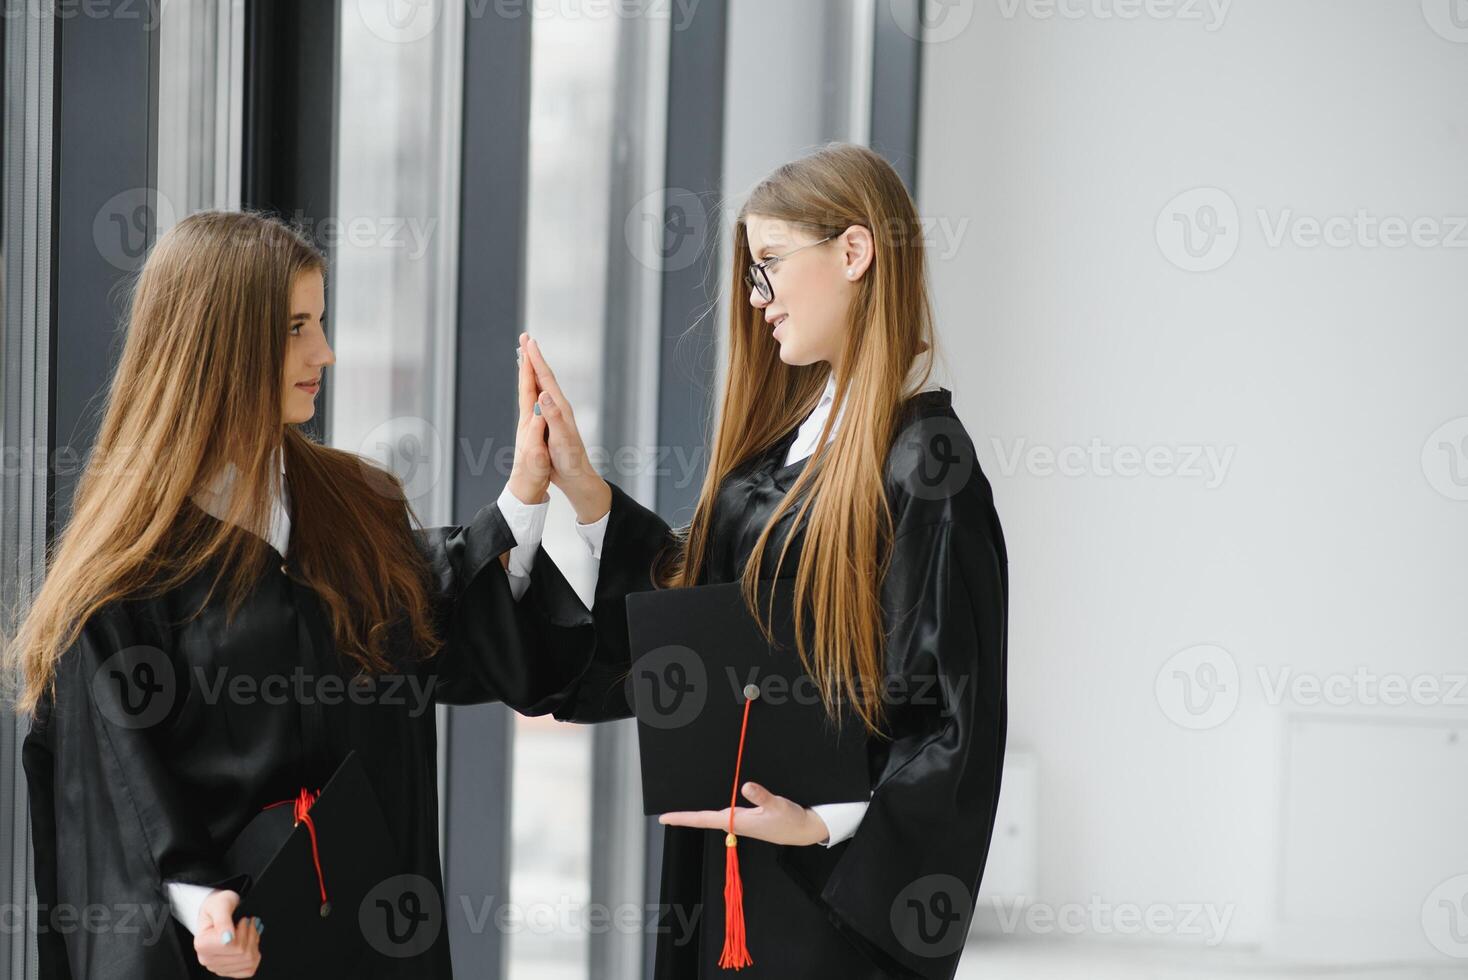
{"x":758,"y":271}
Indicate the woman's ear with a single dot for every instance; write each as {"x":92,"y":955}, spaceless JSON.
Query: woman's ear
{"x":857,"y":251}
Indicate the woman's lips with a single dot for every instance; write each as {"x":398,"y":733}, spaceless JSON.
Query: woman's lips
{"x":311,"y":388}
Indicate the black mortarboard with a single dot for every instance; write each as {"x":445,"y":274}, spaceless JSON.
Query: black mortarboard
{"x":717,"y":704}
{"x":694,"y":651}
{"x":335,"y":845}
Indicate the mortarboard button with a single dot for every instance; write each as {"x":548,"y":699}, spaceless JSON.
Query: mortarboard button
{"x":751,"y":692}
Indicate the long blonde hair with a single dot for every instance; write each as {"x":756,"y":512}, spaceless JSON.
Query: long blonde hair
{"x":198,"y":386}
{"x":839,"y":498}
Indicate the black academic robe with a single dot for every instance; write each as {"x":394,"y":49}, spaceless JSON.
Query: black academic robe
{"x":166,"y":737}
{"x":896,"y":899}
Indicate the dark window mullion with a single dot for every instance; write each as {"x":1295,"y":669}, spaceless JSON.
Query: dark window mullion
{"x":491,"y":303}
{"x":289,"y":139}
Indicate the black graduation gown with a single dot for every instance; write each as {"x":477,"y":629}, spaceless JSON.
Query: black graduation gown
{"x":138,"y":774}
{"x":895,"y":899}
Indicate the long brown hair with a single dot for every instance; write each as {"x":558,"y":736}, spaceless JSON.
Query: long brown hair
{"x":840,"y":499}
{"x":198,"y":386}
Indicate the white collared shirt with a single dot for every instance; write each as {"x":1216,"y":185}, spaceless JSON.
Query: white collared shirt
{"x":214,"y":499}
{"x":810,"y":430}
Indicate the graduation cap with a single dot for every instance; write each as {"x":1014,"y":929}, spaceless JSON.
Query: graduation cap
{"x":311,"y":860}
{"x":716,"y":703}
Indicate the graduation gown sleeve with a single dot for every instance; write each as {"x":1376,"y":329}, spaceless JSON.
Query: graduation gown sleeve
{"x":109,"y":824}
{"x":903,"y":886}
{"x":634,"y":538}
{"x":539,"y":654}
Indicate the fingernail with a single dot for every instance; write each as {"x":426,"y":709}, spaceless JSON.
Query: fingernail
{"x":548,"y":399}
{"x":259,"y":926}
{"x":537,"y":408}
{"x":226,"y":937}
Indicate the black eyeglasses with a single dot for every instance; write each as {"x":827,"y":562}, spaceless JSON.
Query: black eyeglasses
{"x":758,"y":277}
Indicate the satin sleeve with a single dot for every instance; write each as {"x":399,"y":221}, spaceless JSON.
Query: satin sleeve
{"x":630,"y":539}
{"x":903,"y":887}
{"x":538,"y":654}
{"x":110,"y":823}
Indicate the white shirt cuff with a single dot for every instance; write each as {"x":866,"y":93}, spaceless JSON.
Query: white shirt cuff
{"x":841,"y":819}
{"x":185,"y":900}
{"x":527,"y":524}
{"x":594,"y":533}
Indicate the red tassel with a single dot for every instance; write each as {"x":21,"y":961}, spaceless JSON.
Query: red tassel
{"x":301,"y":813}
{"x":736,"y":951}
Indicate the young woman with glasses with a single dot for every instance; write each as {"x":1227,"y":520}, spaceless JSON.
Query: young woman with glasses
{"x":826,"y":427}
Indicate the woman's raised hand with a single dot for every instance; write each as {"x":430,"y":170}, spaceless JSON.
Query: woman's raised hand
{"x":571,"y":468}
{"x":531,"y":473}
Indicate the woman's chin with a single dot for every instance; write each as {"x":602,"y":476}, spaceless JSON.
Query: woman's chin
{"x":298,"y":414}
{"x":793,"y":356}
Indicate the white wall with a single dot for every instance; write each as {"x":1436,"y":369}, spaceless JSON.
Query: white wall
{"x":1052,"y":146}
